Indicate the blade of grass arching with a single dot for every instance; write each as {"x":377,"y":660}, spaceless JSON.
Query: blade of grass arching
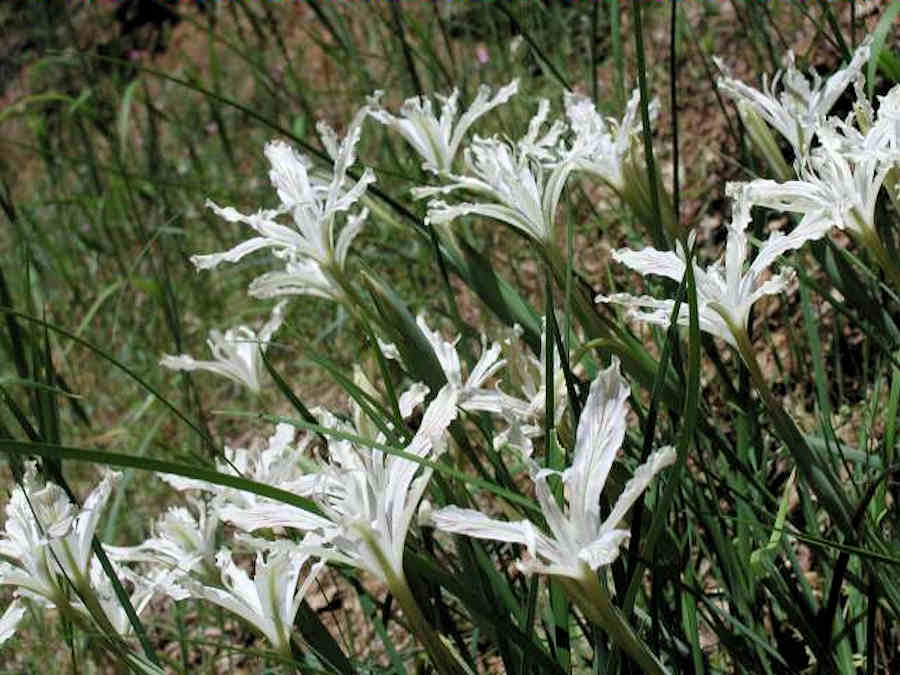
{"x":542,"y":56}
{"x":101,"y":457}
{"x":656,"y":227}
{"x":685,"y":437}
{"x":879,"y":36}
{"x":438,"y":466}
{"x":482,"y":613}
{"x":113,"y":361}
{"x":34,"y":384}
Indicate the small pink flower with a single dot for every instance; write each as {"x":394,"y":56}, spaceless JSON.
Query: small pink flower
{"x":482,"y":54}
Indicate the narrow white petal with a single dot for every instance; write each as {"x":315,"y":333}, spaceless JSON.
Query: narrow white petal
{"x":212,"y":260}
{"x":10,"y":620}
{"x":269,"y":514}
{"x":475,"y":524}
{"x":480,"y":106}
{"x":601,"y":430}
{"x":605,"y":550}
{"x":651,"y":261}
{"x":638,"y":483}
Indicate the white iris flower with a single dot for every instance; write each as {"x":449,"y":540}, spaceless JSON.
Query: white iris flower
{"x":802,"y":104}
{"x":725,"y":291}
{"x":579,"y":540}
{"x":269,"y":601}
{"x":315,"y":260}
{"x":521,"y":183}
{"x":437,"y":140}
{"x":473,"y":396}
{"x":237,"y":354}
{"x":601,"y":146}
{"x":181,"y":540}
{"x":46,"y":547}
{"x":368,"y":498}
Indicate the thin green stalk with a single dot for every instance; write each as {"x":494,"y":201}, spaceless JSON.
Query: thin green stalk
{"x":824,"y":484}
{"x":657,"y":232}
{"x":407,"y":51}
{"x":872,"y":242}
{"x":615,"y":32}
{"x":594,"y":601}
{"x":444,"y":660}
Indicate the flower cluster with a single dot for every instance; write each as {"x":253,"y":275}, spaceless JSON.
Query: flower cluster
{"x":580,"y":540}
{"x":839,"y":180}
{"x":358,"y":479}
{"x":47,"y":551}
{"x":314,"y":261}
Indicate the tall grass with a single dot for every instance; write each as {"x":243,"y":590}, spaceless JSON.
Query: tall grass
{"x":767,"y":546}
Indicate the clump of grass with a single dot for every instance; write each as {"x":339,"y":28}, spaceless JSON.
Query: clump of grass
{"x":765,"y":541}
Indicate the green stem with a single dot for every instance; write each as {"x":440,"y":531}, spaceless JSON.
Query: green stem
{"x":593,"y":600}
{"x":442,"y":658}
{"x":765,"y":142}
{"x":868,"y":237}
{"x":824,"y":484}
{"x":583,"y":304}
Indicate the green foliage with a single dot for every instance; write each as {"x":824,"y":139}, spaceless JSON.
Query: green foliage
{"x":736,"y":562}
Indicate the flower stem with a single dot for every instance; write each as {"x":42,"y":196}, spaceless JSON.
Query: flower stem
{"x":869,"y":238}
{"x":583,"y":304}
{"x":593,"y":600}
{"x":823,"y":483}
{"x":442,"y":658}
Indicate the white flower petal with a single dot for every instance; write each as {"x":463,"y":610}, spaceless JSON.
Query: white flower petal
{"x":10,"y":620}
